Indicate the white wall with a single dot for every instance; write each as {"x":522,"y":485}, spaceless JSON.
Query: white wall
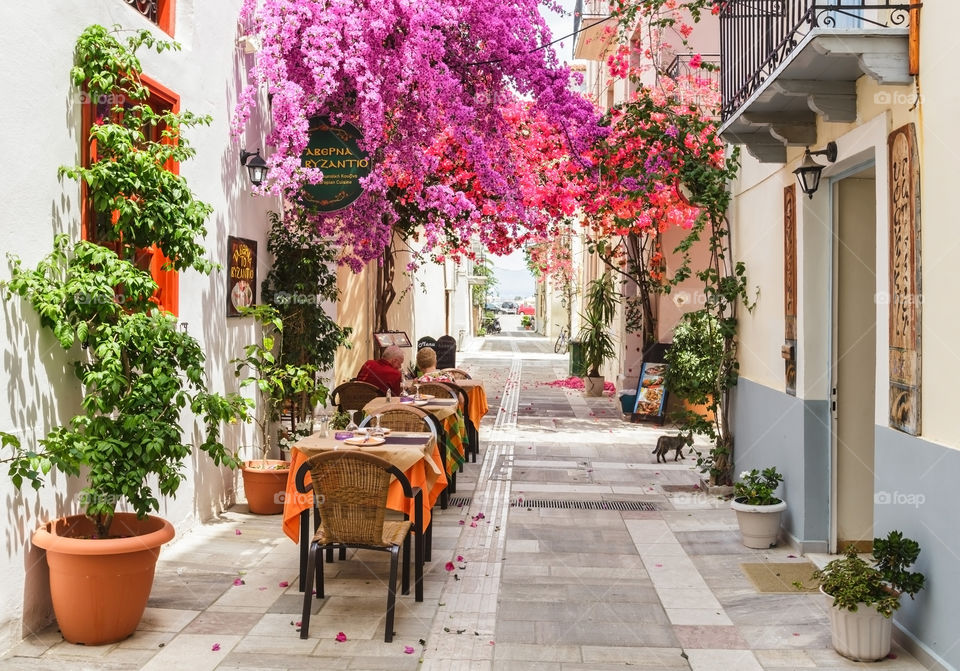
{"x":42,"y":115}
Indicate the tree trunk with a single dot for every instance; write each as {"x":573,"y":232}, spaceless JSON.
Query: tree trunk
{"x":386,"y":292}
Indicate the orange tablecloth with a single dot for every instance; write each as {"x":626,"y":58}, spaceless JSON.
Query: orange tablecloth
{"x":478,"y":399}
{"x":431,"y":478}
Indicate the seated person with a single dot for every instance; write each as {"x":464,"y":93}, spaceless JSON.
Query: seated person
{"x":427,"y":365}
{"x":384,"y":373}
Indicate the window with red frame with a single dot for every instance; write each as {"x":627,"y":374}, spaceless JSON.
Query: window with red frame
{"x":160,"y":12}
{"x":96,"y":224}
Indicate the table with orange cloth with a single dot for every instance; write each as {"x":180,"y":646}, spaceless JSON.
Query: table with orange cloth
{"x":418,"y":459}
{"x":478,"y":399}
{"x":445,"y":411}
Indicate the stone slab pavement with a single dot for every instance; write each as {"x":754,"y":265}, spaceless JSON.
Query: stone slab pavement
{"x":648,"y":575}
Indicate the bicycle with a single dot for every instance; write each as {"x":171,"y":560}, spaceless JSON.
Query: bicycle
{"x":563,"y":341}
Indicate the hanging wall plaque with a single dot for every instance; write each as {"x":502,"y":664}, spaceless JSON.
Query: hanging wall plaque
{"x":905,"y":289}
{"x":241,"y":274}
{"x":334,"y":151}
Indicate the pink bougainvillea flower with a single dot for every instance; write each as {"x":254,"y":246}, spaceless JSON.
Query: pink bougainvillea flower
{"x":237,"y":532}
{"x":239,"y":581}
{"x":459,"y":557}
{"x":408,"y":649}
{"x":284,"y":583}
{"x":449,"y":566}
{"x":215,"y":647}
{"x":262,"y":589}
{"x":340,"y":637}
{"x":473,"y":524}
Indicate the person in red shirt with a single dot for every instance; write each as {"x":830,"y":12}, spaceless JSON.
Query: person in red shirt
{"x":384,"y":373}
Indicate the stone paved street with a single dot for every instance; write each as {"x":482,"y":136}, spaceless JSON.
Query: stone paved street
{"x":540,"y":585}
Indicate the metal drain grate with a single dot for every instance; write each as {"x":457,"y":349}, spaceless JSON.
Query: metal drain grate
{"x":464,"y":501}
{"x":585,"y":505}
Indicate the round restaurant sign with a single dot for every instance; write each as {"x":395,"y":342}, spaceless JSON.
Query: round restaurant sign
{"x":333,"y":150}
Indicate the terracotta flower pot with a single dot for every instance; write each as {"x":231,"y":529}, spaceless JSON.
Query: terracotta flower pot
{"x":100,"y":586}
{"x":265,"y":482}
{"x":759,"y":525}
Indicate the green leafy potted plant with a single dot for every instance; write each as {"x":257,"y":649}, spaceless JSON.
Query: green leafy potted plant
{"x":137,"y":371}
{"x":596,"y":341}
{"x":526,"y":322}
{"x":758,"y":509}
{"x":264,"y":479}
{"x":863,"y":596}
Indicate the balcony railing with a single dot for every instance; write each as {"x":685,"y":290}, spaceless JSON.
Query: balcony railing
{"x":756,"y":36}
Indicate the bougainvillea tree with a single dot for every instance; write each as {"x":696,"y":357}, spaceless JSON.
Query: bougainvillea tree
{"x":663,"y":166}
{"x":409,"y":75}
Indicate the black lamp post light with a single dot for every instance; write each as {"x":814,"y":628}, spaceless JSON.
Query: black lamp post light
{"x":808,"y":174}
{"x":255,"y":165}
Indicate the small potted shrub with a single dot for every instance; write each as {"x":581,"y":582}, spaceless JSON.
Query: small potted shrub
{"x":758,"y":510}
{"x":264,"y":479}
{"x":863,"y":596}
{"x":596,"y":341}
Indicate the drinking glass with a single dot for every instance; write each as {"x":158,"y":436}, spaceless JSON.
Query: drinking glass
{"x":377,"y":431}
{"x":417,"y":387}
{"x":352,"y":426}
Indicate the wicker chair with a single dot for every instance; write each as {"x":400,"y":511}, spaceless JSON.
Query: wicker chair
{"x":455,"y":373}
{"x":350,"y":489}
{"x":438,"y":389}
{"x":354,"y":395}
{"x":405,"y":418}
{"x":410,"y":418}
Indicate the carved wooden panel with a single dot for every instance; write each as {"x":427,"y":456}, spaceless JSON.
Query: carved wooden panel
{"x":789,"y":350}
{"x":905,"y":289}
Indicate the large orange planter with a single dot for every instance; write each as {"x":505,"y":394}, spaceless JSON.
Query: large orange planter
{"x":100,"y":586}
{"x":265,"y":487}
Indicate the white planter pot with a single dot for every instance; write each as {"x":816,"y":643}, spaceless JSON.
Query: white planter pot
{"x":863,"y":636}
{"x":759,"y":525}
{"x":593,"y":386}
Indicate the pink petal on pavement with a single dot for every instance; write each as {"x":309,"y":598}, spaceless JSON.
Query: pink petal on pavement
{"x":408,"y":649}
{"x":237,"y":532}
{"x":449,"y":566}
{"x":341,"y":637}
{"x":284,"y":583}
{"x":459,"y":557}
{"x":215,"y":647}
{"x":239,"y":581}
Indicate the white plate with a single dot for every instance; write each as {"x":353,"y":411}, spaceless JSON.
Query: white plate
{"x":365,"y":442}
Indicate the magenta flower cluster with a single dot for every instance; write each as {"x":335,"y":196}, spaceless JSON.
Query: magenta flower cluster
{"x":405,"y":72}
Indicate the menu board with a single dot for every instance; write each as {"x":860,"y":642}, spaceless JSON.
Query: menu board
{"x":241,"y":275}
{"x":651,"y":403}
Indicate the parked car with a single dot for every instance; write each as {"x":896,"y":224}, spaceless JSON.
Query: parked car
{"x":526,"y":310}
{"x":509,"y":307}
{"x":494,"y":308}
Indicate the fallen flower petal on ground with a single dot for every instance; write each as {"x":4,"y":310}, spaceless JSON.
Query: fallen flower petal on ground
{"x":341,"y":637}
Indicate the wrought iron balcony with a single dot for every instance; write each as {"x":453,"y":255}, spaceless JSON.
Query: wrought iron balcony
{"x":784,"y":62}
{"x":756,"y":36}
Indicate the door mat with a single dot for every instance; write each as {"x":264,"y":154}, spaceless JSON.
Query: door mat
{"x":780,"y":577}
